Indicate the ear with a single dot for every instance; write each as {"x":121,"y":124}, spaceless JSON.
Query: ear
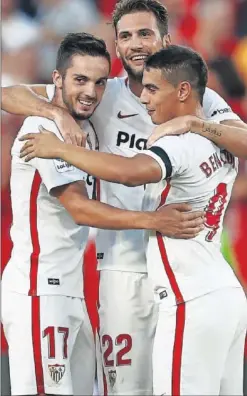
{"x":57,"y":79}
{"x":117,"y":52}
{"x":166,"y":40}
{"x":184,"y":91}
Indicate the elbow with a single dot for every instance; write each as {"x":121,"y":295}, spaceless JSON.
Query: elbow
{"x":128,"y":179}
{"x":76,"y":216}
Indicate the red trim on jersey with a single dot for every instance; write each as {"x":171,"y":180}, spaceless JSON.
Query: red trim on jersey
{"x":36,"y":338}
{"x":34,"y":258}
{"x":180,"y":315}
{"x":164,"y":194}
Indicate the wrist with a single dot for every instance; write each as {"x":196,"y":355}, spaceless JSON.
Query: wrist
{"x":149,"y":221}
{"x":60,"y":150}
{"x":196,"y":125}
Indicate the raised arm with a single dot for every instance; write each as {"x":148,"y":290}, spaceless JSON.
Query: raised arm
{"x":229,"y":134}
{"x":27,"y":100}
{"x":31,"y":100}
{"x":135,"y":171}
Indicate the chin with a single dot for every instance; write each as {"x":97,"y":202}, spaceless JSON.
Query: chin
{"x":154,"y":121}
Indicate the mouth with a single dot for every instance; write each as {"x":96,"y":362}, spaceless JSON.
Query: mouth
{"x":85,"y":104}
{"x":150,"y":111}
{"x":139,"y":58}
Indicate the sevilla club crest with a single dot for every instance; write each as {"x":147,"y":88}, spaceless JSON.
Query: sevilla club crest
{"x":56,"y":372}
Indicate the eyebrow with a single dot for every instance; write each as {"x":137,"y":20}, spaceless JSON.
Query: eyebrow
{"x":79,"y":75}
{"x":130,"y":31}
{"x":151,"y":86}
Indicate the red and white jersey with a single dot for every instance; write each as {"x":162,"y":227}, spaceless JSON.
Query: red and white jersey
{"x":123,"y":126}
{"x":47,"y":244}
{"x":196,"y":171}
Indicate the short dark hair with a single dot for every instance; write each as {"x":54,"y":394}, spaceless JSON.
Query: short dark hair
{"x":124,"y":7}
{"x":81,"y":44}
{"x":179,"y":64}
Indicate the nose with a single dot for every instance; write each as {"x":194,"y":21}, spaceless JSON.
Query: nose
{"x":90,"y":90}
{"x":136,"y":42}
{"x":144,"y":96}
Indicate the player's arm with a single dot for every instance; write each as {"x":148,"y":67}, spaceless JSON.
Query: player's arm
{"x":231,"y":134}
{"x":31,"y":100}
{"x":27,"y":100}
{"x":134,"y":171}
{"x":84,"y":211}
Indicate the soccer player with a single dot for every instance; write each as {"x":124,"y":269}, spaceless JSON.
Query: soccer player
{"x":202,"y":308}
{"x":123,"y":127}
{"x":51,"y":343}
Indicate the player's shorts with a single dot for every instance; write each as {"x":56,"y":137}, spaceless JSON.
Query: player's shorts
{"x":51,"y":344}
{"x":199,"y":345}
{"x":128,"y":317}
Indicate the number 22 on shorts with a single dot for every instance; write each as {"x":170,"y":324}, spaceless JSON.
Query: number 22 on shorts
{"x":121,"y":360}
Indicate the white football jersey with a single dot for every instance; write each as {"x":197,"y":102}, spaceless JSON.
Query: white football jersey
{"x":196,"y":171}
{"x":47,"y":244}
{"x":123,"y":126}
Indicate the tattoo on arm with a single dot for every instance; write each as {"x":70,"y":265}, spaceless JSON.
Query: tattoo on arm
{"x":212,"y":130}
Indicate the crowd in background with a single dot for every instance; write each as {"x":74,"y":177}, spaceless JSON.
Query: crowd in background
{"x":32,"y":30}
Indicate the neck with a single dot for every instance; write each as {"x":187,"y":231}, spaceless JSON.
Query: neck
{"x":193,"y":109}
{"x":136,"y":87}
{"x":58,"y":101}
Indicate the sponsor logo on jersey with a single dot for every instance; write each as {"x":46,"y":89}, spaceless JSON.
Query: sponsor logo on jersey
{"x":56,"y":372}
{"x":124,"y":138}
{"x":120,"y":115}
{"x":112,"y":375}
{"x":100,"y":256}
{"x":221,"y":111}
{"x":62,"y":166}
{"x":53,"y":281}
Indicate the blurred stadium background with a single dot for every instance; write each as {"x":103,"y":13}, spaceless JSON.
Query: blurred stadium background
{"x":31,"y":31}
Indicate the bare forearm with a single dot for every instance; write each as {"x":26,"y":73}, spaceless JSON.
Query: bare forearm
{"x":22,"y":100}
{"x":109,"y":167}
{"x":99,"y":215}
{"x":232,"y":138}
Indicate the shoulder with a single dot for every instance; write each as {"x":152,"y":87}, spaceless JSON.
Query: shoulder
{"x":31,"y":124}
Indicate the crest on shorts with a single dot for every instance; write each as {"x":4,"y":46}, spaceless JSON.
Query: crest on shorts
{"x":112,"y":375}
{"x":56,"y":371}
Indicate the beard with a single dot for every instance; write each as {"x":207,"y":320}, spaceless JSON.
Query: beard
{"x":133,"y":74}
{"x":77,"y":116}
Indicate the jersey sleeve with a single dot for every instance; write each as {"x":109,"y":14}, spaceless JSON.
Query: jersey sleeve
{"x":216,"y":109}
{"x":171,"y":153}
{"x":53,"y":172}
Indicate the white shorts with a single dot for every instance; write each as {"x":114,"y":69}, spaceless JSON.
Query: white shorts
{"x":199,"y":345}
{"x":128,"y":318}
{"x":51,"y":344}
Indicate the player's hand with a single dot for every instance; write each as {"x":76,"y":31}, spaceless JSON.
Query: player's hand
{"x":179,"y":222}
{"x":42,"y":145}
{"x":69,"y":129}
{"x":176,"y":126}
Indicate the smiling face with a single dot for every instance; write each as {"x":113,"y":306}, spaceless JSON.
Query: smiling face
{"x":138,"y":36}
{"x":161,"y":98}
{"x":83,"y":84}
